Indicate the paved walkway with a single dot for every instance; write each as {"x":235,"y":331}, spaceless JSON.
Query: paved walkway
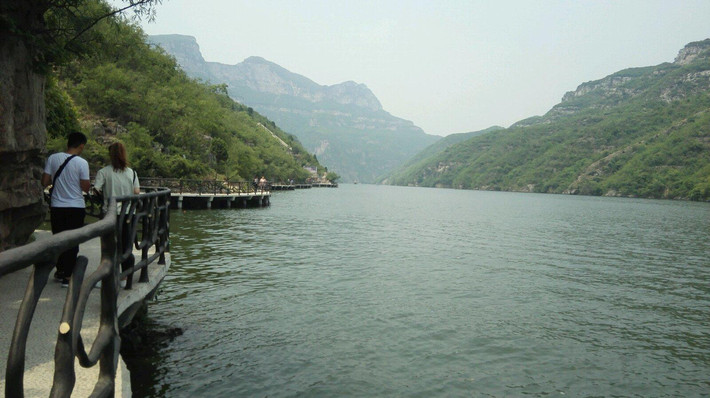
{"x":39,"y":362}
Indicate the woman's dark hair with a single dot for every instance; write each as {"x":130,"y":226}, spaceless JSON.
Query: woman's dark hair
{"x":117,"y":153}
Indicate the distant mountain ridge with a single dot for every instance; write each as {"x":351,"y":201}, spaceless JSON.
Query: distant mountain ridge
{"x":433,"y":150}
{"x":263,"y":76}
{"x":642,"y":132}
{"x":343,"y":124}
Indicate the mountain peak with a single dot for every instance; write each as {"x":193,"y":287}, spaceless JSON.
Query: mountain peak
{"x":357,"y":94}
{"x":351,"y":83}
{"x":257,"y":60}
{"x":184,"y":48}
{"x":691,"y":51}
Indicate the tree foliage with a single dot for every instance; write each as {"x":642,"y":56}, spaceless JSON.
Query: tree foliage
{"x":173,"y":126}
{"x":58,"y":31}
{"x":332,"y":176}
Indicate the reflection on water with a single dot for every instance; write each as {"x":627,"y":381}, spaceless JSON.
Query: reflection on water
{"x":384,"y":291}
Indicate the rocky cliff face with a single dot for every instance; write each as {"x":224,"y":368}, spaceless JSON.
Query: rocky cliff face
{"x":258,"y":74}
{"x":22,"y":142}
{"x":691,"y":51}
{"x":344,"y":124}
{"x":262,"y":76}
{"x":185,"y":50}
{"x":610,"y":86}
{"x":630,"y":83}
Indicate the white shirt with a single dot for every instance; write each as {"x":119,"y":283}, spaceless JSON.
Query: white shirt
{"x":116,"y":183}
{"x":67,"y":188}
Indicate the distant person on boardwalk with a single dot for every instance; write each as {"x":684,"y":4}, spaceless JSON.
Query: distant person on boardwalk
{"x":255,"y":183}
{"x":118,"y":179}
{"x":69,"y":176}
{"x":262,"y":183}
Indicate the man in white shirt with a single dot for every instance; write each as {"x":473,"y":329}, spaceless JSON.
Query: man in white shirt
{"x":69,"y":176}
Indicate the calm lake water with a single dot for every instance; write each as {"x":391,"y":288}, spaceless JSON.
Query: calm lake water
{"x":376,"y":291}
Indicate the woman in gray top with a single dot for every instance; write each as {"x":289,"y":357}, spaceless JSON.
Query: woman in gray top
{"x":118,"y":179}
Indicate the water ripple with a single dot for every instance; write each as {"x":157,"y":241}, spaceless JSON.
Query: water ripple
{"x":384,"y":291}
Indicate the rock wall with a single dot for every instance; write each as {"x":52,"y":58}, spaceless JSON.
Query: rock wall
{"x":22,"y":143}
{"x":691,"y":51}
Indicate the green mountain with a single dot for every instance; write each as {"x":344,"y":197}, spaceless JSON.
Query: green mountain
{"x":432,"y":150}
{"x":172,"y":125}
{"x":640,"y":132}
{"x":343,"y":124}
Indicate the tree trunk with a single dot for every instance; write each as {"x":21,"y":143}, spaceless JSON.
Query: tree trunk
{"x":22,"y":128}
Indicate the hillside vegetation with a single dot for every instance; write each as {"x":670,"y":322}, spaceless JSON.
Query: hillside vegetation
{"x":172,"y":125}
{"x":422,"y":158}
{"x":642,"y":132}
{"x":343,"y":124}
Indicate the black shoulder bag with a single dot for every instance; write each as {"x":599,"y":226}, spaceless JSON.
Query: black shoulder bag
{"x":56,"y":175}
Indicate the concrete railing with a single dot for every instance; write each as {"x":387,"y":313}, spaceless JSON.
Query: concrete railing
{"x":143,"y":223}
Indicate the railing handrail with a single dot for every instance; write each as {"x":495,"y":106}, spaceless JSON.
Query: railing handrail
{"x":47,"y":249}
{"x":148,"y":210}
{"x":182,"y":185}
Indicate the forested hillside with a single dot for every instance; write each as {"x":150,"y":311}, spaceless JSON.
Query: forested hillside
{"x":172,"y":125}
{"x":434,"y":149}
{"x":642,"y":132}
{"x":343,"y":124}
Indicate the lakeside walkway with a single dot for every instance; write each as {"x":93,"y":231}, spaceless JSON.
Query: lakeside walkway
{"x":39,"y":363}
{"x":293,"y":187}
{"x":211,"y":194}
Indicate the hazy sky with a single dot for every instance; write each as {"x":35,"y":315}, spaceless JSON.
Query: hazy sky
{"x":448,"y":66}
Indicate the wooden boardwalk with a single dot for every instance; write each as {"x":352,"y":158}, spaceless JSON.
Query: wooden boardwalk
{"x":291,"y":187}
{"x":212,"y":194}
{"x":216,"y":194}
{"x":220,"y":200}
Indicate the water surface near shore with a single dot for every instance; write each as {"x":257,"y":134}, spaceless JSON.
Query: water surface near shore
{"x":388,"y":291}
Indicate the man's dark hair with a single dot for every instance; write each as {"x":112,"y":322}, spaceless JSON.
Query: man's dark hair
{"x":75,"y":138}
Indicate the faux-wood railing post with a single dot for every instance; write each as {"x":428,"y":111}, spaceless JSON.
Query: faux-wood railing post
{"x":14,"y":374}
{"x":42,"y":254}
{"x":64,"y":375}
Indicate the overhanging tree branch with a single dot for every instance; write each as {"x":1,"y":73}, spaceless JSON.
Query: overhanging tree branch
{"x":132,"y":5}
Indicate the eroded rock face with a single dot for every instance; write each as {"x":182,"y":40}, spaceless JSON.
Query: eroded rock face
{"x":22,"y":143}
{"x":691,"y":51}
